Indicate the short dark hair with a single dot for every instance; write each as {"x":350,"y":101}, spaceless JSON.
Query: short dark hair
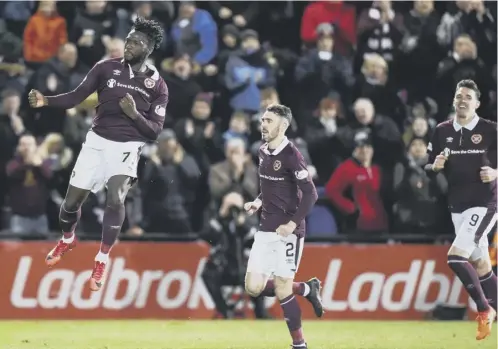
{"x":470,"y":84}
{"x":280,"y":110}
{"x":150,"y":28}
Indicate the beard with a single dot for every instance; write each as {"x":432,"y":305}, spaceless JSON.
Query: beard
{"x":136,"y":59}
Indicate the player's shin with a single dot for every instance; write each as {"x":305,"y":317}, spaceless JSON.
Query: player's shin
{"x":68,"y":219}
{"x":298,"y":288}
{"x":469,"y":278}
{"x":291,"y":309}
{"x":114,"y":215}
{"x":490,"y":288}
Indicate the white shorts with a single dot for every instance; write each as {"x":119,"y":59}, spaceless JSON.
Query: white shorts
{"x":272,"y":254}
{"x":472,"y":227}
{"x":100,"y":159}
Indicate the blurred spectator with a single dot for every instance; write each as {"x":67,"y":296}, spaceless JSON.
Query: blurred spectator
{"x":58,"y":157}
{"x":76,"y":127}
{"x":240,"y":13}
{"x":230,"y":232}
{"x":182,"y":88}
{"x":11,"y":127}
{"x":230,"y":36}
{"x":380,"y":30}
{"x":238,"y":128}
{"x":92,"y":30}
{"x":342,"y":16}
{"x":247,"y":72}
{"x":421,"y":50}
{"x":52,"y":78}
{"x":235,"y":174}
{"x":474,"y":19}
{"x":463,"y":63}
{"x":115,"y":49}
{"x":195,"y":33}
{"x":45,"y":32}
{"x":321,"y":70}
{"x":16,"y":14}
{"x":168,"y":187}
{"x":419,"y":128}
{"x":418,"y":198}
{"x":198,"y":133}
{"x":376,"y":84}
{"x":28,"y":177}
{"x":365,"y":180}
{"x":321,"y":135}
{"x":384,"y":134}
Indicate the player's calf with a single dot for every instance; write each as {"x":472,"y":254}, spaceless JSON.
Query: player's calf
{"x":291,"y":309}
{"x":469,"y":278}
{"x":487,"y":278}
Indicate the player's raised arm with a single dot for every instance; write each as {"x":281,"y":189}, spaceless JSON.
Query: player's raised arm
{"x":303,"y":178}
{"x":152,"y":125}
{"x":70,"y":99}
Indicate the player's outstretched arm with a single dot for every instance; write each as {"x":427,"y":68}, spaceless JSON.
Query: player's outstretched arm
{"x":71,"y":99}
{"x":153,"y":125}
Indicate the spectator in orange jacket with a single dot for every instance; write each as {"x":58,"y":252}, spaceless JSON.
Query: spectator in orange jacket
{"x":364,"y":179}
{"x":336,"y":13}
{"x":45,"y":32}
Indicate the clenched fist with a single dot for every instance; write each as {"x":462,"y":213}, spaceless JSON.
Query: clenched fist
{"x":36,"y":99}
{"x":252,"y":207}
{"x":487,"y":174}
{"x":439,"y":162}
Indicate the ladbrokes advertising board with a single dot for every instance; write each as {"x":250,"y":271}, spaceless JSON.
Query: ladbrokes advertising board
{"x":162,"y":280}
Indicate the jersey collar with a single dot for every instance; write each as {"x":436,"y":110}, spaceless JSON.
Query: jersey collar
{"x":155,"y":75}
{"x":470,"y":126}
{"x":278,"y":149}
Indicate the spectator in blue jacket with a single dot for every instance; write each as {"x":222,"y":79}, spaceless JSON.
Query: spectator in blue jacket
{"x":195,"y":33}
{"x":247,"y":72}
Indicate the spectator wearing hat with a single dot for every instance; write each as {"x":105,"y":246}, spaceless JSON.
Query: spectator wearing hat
{"x":195,"y":33}
{"x":418,"y":198}
{"x":342,"y":16}
{"x":169,"y":184}
{"x":366,"y":208}
{"x":247,"y":72}
{"x":322,"y":70}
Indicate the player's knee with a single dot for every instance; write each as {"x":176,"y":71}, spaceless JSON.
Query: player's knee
{"x":254,"y":286}
{"x":283,"y":287}
{"x":482,"y":266}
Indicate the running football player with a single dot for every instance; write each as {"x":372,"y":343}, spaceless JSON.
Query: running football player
{"x":287,"y":196}
{"x":465,"y":150}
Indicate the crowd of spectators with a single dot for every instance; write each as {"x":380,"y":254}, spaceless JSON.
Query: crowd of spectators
{"x":367,"y":83}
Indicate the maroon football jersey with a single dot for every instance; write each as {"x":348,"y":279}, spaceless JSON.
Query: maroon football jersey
{"x":287,"y":191}
{"x":468,"y":149}
{"x":112,"y":79}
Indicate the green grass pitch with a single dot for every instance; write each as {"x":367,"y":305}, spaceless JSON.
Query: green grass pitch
{"x":239,"y":334}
